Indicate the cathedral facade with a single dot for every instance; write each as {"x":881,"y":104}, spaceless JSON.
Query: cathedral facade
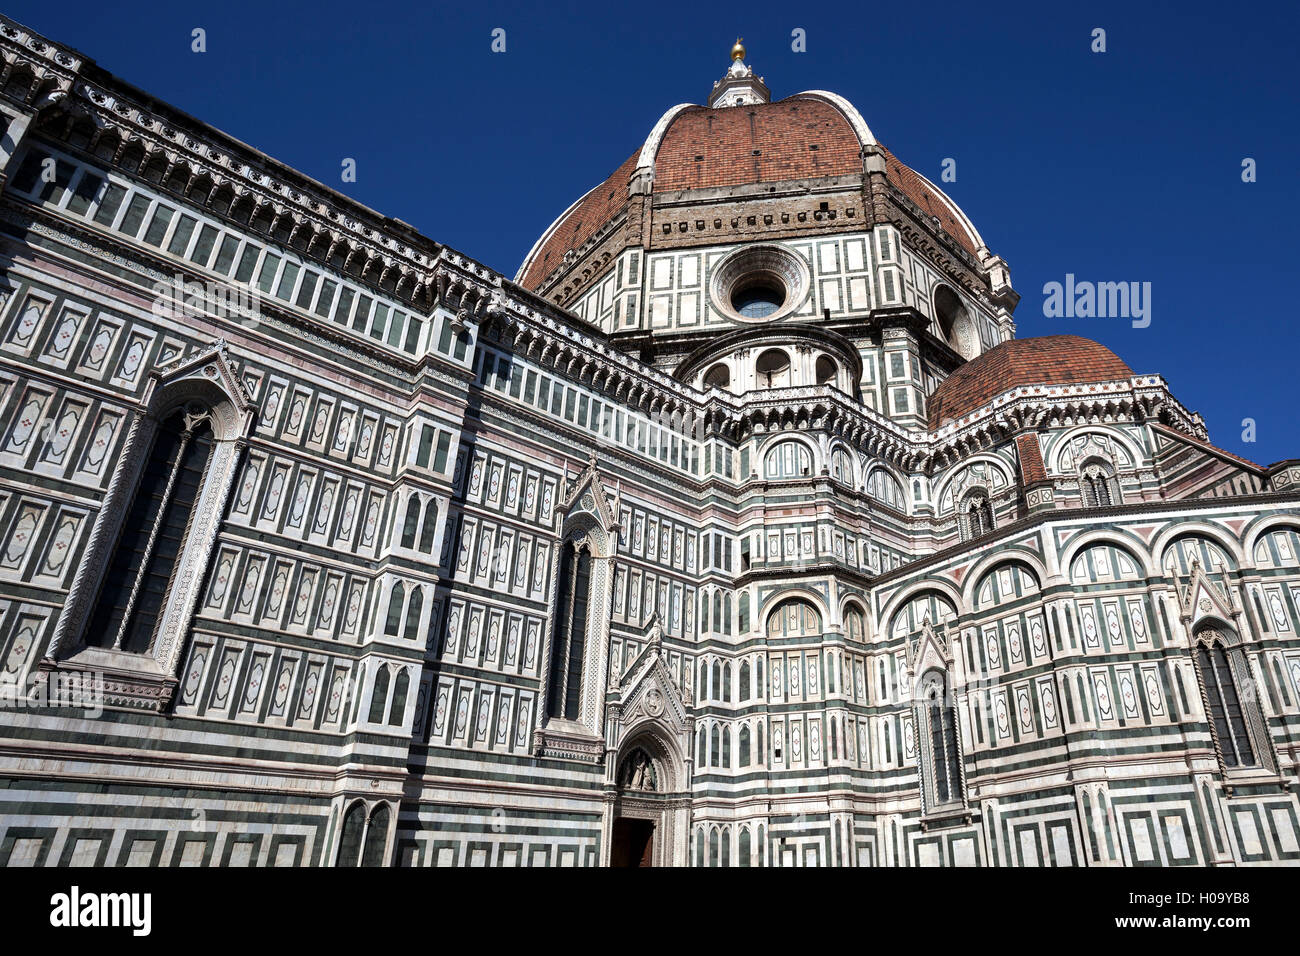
{"x":736,"y":529}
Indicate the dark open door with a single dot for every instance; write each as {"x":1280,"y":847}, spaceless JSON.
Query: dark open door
{"x":632,"y":843}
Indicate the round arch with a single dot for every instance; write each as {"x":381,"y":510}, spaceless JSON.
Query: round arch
{"x":780,"y":597}
{"x":781,"y":438}
{"x":1059,"y":443}
{"x":993,"y":461}
{"x":869,"y":472}
{"x":1215,"y":533}
{"x":990,"y":561}
{"x":1126,"y":541}
{"x":906,"y":594}
{"x":1255,"y":530}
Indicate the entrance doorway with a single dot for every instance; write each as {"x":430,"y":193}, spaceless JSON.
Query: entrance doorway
{"x":632,"y":843}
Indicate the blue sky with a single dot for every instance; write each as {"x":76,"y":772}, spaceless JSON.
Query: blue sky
{"x":1119,"y":166}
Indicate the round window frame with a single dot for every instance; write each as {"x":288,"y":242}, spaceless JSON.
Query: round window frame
{"x":759,"y":265}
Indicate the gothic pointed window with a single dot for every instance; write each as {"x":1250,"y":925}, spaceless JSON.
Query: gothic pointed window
{"x":414,"y":607}
{"x":354,"y":825}
{"x":573,"y":594}
{"x":1229,"y":715}
{"x":364,"y":841}
{"x":430,"y":526}
{"x":376,"y":837}
{"x":397,"y":709}
{"x":1097,"y":481}
{"x":379,"y":695}
{"x":142,"y":566}
{"x":411,"y":523}
{"x":395,"y":601}
{"x":941,"y":766}
{"x":976,"y":516}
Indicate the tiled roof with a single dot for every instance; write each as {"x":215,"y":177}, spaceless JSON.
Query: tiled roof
{"x":922,"y":193}
{"x":1212,"y":449}
{"x":738,"y":146}
{"x":1046,"y":360}
{"x":762,"y":143}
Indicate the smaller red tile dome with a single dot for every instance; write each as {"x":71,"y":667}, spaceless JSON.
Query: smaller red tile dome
{"x":1046,"y":360}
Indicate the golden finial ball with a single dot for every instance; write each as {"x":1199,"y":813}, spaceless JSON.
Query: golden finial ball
{"x":738,"y":51}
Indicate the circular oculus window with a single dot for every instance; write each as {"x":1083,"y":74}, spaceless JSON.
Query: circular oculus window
{"x":759,"y":283}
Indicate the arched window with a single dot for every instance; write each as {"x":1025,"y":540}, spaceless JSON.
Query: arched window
{"x":726,"y":683}
{"x":430,"y":526}
{"x":1097,"y":482}
{"x":411,"y":525}
{"x":827,"y":371}
{"x":793,"y":618}
{"x":396,"y":599}
{"x":715,"y":745}
{"x":976,"y":516}
{"x":841,"y":466}
{"x":885,"y":488}
{"x":789,"y":459}
{"x":413,"y":609}
{"x":742,"y":612}
{"x":376,"y":837}
{"x":726,"y":747}
{"x":744,"y":847}
{"x":379,"y":695}
{"x":715,"y":687}
{"x":398,"y":708}
{"x":744,"y":680}
{"x":573,"y":593}
{"x":1229,"y":716}
{"x":855,"y":623}
{"x":955,"y":323}
{"x":354,"y":825}
{"x":772,"y":369}
{"x":139,"y":576}
{"x":744,"y":746}
{"x":719,"y":376}
{"x":942,"y":764}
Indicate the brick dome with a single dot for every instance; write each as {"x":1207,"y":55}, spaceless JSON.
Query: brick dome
{"x":809,"y":136}
{"x":1046,"y":360}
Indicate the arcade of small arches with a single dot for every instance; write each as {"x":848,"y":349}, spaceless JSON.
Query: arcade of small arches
{"x":775,"y":367}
